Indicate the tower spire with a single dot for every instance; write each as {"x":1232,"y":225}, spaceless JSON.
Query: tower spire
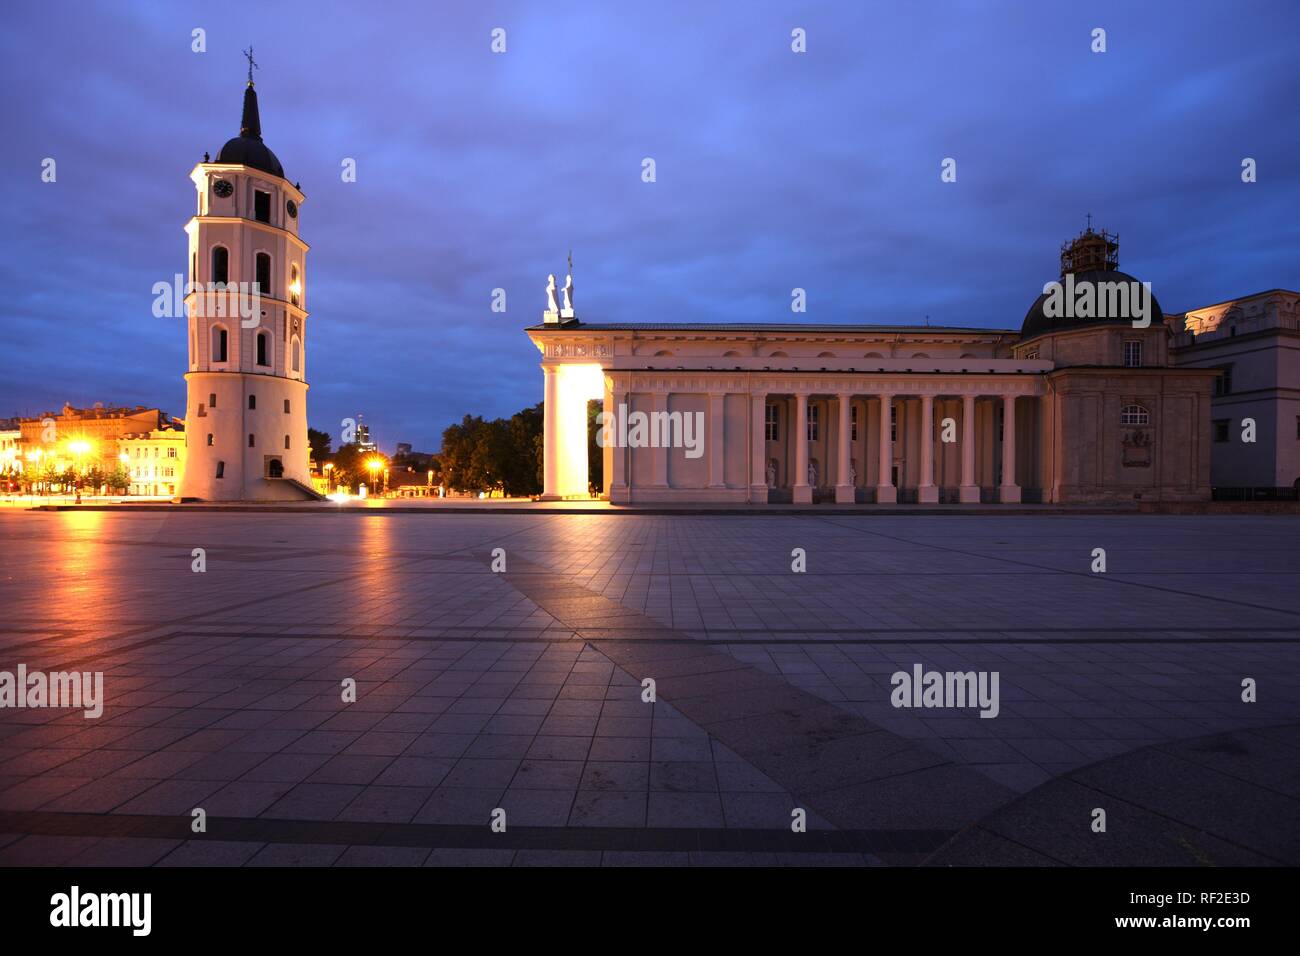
{"x":250,"y":123}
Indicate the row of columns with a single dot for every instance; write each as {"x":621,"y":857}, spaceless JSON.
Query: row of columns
{"x":886,"y":491}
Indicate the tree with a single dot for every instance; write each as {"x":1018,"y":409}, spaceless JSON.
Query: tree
{"x":95,"y":479}
{"x":349,"y":470}
{"x":320,"y":445}
{"x":119,"y":479}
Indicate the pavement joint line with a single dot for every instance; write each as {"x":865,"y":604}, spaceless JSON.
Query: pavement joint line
{"x":470,"y":836}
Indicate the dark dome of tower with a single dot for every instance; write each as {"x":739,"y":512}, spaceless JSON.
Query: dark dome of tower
{"x":247,"y":148}
{"x":250,"y":152}
{"x":1038,"y":322}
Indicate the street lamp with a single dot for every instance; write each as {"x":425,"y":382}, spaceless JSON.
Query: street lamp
{"x":329,"y":478}
{"x":373,"y":464}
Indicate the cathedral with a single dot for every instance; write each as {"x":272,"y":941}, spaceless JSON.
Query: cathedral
{"x":1083,"y":402}
{"x":246,"y":387}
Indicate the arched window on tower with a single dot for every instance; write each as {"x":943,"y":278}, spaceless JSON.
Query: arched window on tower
{"x":295,"y":287}
{"x":262,"y":273}
{"x":220,"y":264}
{"x":297,"y":354}
{"x":263,"y":352}
{"x":220,"y":343}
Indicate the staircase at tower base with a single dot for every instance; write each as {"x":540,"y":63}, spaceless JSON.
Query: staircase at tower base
{"x":310,"y":493}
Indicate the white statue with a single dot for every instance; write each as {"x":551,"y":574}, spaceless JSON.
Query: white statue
{"x":853,"y":472}
{"x":812,"y":474}
{"x":551,"y":305}
{"x":568,"y":293}
{"x":771,"y":475}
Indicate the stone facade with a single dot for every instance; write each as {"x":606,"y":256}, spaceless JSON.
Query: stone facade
{"x":912,"y":414}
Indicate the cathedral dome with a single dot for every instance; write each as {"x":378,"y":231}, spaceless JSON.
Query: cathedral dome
{"x":1038,"y":322}
{"x":247,"y":148}
{"x":1089,"y":268}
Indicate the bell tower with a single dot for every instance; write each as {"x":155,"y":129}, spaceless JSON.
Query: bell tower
{"x":246,"y":387}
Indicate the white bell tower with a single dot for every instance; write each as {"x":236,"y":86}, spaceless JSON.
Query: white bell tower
{"x":246,"y":405}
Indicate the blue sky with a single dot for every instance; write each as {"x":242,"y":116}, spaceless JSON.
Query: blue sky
{"x":478,"y":170}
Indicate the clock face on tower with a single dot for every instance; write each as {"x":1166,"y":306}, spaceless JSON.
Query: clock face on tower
{"x":222,"y":188}
{"x":291,"y":208}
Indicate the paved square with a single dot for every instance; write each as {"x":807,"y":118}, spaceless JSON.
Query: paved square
{"x":522,"y":691}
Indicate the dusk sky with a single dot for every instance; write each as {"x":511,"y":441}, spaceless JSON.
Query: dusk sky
{"x":478,"y":170}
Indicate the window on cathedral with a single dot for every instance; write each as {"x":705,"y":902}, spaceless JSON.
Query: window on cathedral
{"x":221,"y":466}
{"x":261,"y":206}
{"x":1134,"y":415}
{"x":297,"y":356}
{"x":209,"y":439}
{"x":220,"y":265}
{"x":1031,"y":354}
{"x":853,"y":423}
{"x":295,"y":287}
{"x":220,"y":341}
{"x":171,"y":452}
{"x":262,"y":273}
{"x":1221,"y":426}
{"x":771,"y":423}
{"x":252,"y":440}
{"x":814,"y":422}
{"x":286,"y":442}
{"x":262,"y":358}
{"x":893,"y":423}
{"x":212,"y":400}
{"x":286,"y":406}
{"x":1223,"y":384}
{"x":252,"y":403}
{"x":1133,"y":353}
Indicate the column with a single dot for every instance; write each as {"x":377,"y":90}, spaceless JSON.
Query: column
{"x":716,"y":439}
{"x":843,"y":484}
{"x":886,"y":493}
{"x":802,"y":490}
{"x":927,"y":493}
{"x":659,"y":457}
{"x":758,"y":447}
{"x":969,"y":492}
{"x":616,"y":402}
{"x":551,"y":435}
{"x":1009,"y":492}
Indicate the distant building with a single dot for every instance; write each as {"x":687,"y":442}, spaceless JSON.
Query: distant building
{"x":155,"y":460}
{"x":403,"y":449}
{"x":81,"y":438}
{"x":1254,"y":344}
{"x":363,"y":437}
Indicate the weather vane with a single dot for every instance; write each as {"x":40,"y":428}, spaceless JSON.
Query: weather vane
{"x":251,"y":64}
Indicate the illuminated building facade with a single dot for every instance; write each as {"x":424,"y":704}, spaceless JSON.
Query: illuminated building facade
{"x":154,"y":460}
{"x":1060,"y":410}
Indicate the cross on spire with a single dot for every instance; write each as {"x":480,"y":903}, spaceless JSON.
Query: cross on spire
{"x":1089,"y":219}
{"x":252,"y":64}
